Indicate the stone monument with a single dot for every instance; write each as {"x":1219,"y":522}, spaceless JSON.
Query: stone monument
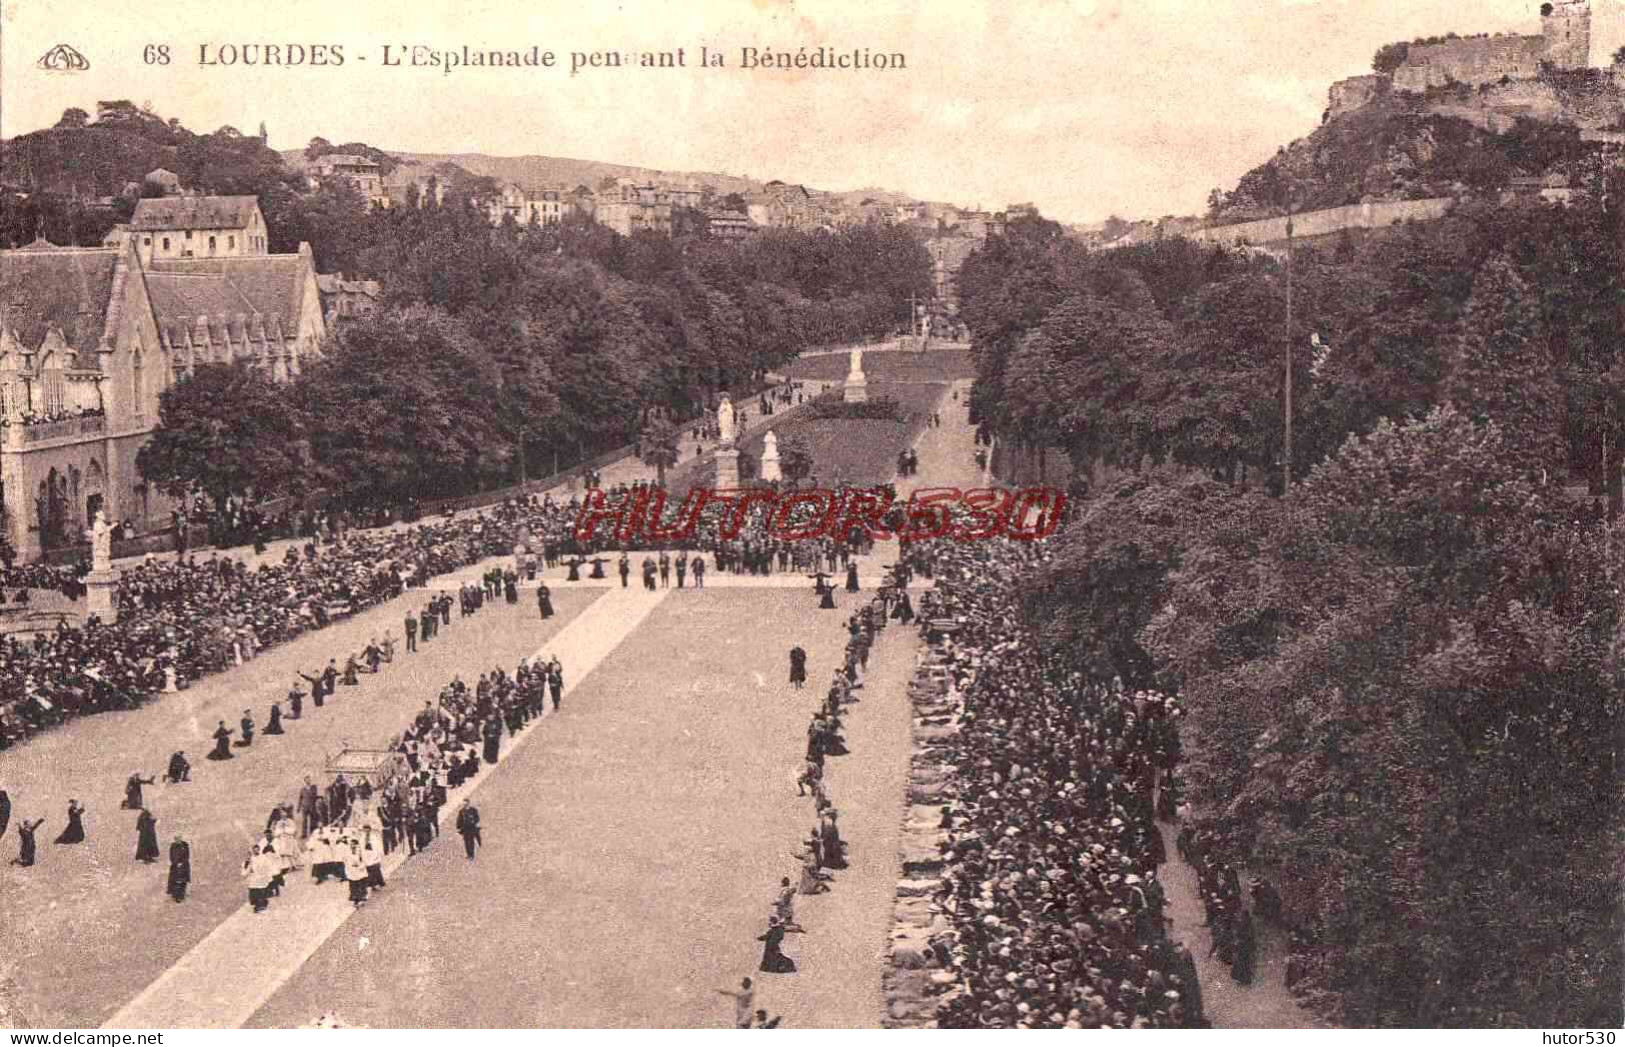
{"x":770,"y":459}
{"x":856,"y":390}
{"x":102,"y":582}
{"x":727,"y":453}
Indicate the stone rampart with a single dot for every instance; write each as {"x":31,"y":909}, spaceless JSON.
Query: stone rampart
{"x":1325,"y":223}
{"x":1474,"y":61}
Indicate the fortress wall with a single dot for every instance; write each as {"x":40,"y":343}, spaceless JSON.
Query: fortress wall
{"x":1355,"y":93}
{"x":1483,"y":60}
{"x":1329,"y":221}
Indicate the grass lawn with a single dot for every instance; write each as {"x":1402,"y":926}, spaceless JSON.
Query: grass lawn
{"x":844,"y":450}
{"x":936,"y":365}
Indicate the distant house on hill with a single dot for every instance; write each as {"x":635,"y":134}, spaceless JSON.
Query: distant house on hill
{"x":197,"y":227}
{"x":346,"y":299}
{"x":364,"y":174}
{"x":167,"y":181}
{"x":729,"y":225}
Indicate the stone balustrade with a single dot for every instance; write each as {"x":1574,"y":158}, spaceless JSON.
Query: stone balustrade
{"x":20,"y":434}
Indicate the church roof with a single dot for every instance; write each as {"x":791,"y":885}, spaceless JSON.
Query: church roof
{"x":267,"y":286}
{"x":193,"y":212}
{"x":44,"y":286}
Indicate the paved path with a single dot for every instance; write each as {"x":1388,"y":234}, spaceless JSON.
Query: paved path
{"x":223,"y":980}
{"x":87,"y":926}
{"x":1266,"y":1003}
{"x":220,"y":983}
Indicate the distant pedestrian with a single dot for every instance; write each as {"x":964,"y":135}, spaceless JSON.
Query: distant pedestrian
{"x":744,"y":1000}
{"x":180,"y":869}
{"x":179,"y":770}
{"x":25,"y":841}
{"x":468,"y":825}
{"x":773,"y":959}
{"x":132,"y":791}
{"x":146,"y":837}
{"x":75,"y":832}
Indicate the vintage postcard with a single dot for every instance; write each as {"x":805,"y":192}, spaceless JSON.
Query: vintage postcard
{"x":841,"y":514}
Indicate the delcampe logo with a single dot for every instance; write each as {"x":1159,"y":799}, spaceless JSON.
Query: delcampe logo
{"x":63,"y":59}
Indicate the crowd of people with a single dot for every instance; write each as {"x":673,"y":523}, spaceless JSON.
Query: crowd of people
{"x":182,"y":619}
{"x":59,"y":413}
{"x":345,"y":831}
{"x":1052,"y":851}
{"x":824,"y":851}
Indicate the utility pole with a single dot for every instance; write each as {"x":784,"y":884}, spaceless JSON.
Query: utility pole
{"x":1286,"y":470}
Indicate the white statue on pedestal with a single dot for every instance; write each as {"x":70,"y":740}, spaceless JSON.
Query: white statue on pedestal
{"x":101,"y":543}
{"x":770,"y":458}
{"x":725,"y":421}
{"x":856,"y":370}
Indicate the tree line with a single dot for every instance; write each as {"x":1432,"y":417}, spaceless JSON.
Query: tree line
{"x":1403,"y":677}
{"x":551,"y":341}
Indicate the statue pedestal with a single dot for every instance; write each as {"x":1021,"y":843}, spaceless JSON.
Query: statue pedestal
{"x":102,"y":596}
{"x":727,"y":469}
{"x":856,"y":390}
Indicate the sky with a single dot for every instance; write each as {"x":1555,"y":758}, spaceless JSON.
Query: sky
{"x":1086,"y":108}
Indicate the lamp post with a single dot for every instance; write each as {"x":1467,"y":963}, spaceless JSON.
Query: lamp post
{"x":1286,"y":461}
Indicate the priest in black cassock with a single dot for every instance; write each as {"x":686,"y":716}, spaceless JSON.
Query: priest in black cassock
{"x":798,"y":666}
{"x":222,"y":743}
{"x":146,"y":843}
{"x":180,"y":868}
{"x":493,"y":739}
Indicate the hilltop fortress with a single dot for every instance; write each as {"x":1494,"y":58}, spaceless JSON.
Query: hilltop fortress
{"x":1493,"y":80}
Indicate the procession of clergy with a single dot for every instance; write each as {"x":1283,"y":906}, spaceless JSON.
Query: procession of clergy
{"x":345,"y":831}
{"x":823,"y":851}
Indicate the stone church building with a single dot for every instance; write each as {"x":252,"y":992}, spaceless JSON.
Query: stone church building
{"x":90,"y":337}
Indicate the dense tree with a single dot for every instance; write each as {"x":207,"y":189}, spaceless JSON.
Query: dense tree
{"x":1374,"y":673}
{"x":1500,"y":367}
{"x":228,"y":430}
{"x":401,"y":406}
{"x":660,"y":442}
{"x":795,"y":459}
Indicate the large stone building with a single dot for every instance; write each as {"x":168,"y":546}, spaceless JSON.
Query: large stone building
{"x":528,"y":206}
{"x":631,"y":206}
{"x":196,"y":227}
{"x":90,"y":337}
{"x":365,"y":175}
{"x":781,"y":205}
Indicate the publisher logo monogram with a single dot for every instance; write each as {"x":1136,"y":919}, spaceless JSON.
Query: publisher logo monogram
{"x":63,"y":59}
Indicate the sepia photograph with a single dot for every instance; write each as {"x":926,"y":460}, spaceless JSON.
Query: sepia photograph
{"x":811,"y":514}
